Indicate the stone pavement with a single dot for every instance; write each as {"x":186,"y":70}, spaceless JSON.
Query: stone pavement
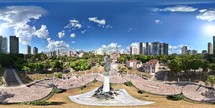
{"x":122,"y":99}
{"x":24,"y":94}
{"x":11,"y":78}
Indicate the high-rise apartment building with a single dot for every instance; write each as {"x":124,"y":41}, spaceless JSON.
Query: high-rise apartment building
{"x":100,"y":51}
{"x":192,"y":52}
{"x":35,"y":51}
{"x":1,"y":44}
{"x":142,"y":48}
{"x":28,"y":50}
{"x":154,"y":48}
{"x":4,"y":45}
{"x":184,"y":50}
{"x":214,"y":45}
{"x":210,"y":48}
{"x":134,"y":49}
{"x":14,"y":45}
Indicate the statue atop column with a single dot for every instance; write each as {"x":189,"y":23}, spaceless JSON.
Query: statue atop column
{"x":106,"y":66}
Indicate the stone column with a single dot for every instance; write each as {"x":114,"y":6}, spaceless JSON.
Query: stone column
{"x":106,"y":84}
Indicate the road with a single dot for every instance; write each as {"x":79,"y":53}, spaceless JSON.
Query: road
{"x":11,"y":77}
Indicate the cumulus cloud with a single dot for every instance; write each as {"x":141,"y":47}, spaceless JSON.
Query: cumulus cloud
{"x":113,"y":45}
{"x":18,"y":17}
{"x":205,"y":14}
{"x":83,"y":31}
{"x":42,"y":32}
{"x":130,"y":29}
{"x":157,"y":21}
{"x":61,"y":34}
{"x":135,"y":44}
{"x":53,"y":45}
{"x":72,"y":35}
{"x":74,"y":24}
{"x":177,"y":9}
{"x":177,"y":49}
{"x":101,"y":22}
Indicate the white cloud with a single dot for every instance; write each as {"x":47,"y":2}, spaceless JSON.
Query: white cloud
{"x":18,"y":17}
{"x":113,"y":45}
{"x":42,"y":32}
{"x":72,"y":35}
{"x":73,"y":42}
{"x":61,"y":34}
{"x":177,"y":49}
{"x":104,"y":46}
{"x":53,"y":45}
{"x":108,"y":26}
{"x":101,"y":22}
{"x":74,"y":24}
{"x":135,"y":44}
{"x":205,"y":14}
{"x":177,"y":9}
{"x":130,"y":29}
{"x":83,"y":31}
{"x":157,"y":21}
{"x":202,"y":10}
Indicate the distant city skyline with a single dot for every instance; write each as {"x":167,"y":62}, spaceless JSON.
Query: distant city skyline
{"x":90,"y":24}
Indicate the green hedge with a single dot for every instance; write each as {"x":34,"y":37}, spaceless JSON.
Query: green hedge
{"x":128,"y":83}
{"x":40,"y":103}
{"x":57,"y":90}
{"x":141,"y":91}
{"x":176,"y":97}
{"x":82,"y":87}
{"x":58,"y":75}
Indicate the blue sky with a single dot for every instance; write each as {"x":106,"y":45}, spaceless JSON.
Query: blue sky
{"x":89,"y":24}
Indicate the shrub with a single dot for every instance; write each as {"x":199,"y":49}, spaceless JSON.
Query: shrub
{"x":82,"y":87}
{"x":141,"y":91}
{"x":176,"y":97}
{"x":128,"y":83}
{"x":58,"y":75}
{"x":94,"y":81}
{"x":57,"y":90}
{"x":37,"y":103}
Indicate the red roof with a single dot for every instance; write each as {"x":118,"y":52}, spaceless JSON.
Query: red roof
{"x":152,"y":62}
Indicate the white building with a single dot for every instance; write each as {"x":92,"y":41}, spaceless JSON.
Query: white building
{"x":151,"y":66}
{"x":4,"y":45}
{"x":100,"y":51}
{"x":134,"y":64}
{"x":134,"y":49}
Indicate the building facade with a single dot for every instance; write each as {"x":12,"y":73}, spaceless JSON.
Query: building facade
{"x":4,"y":45}
{"x":14,"y":45}
{"x":1,"y":44}
{"x":151,"y":66}
{"x":154,"y":48}
{"x":134,"y":50}
{"x":214,"y":45}
{"x":184,"y":50}
{"x":28,"y":50}
{"x":35,"y":51}
{"x":210,"y":48}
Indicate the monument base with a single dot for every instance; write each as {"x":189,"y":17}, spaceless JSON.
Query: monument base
{"x":106,"y":84}
{"x":121,"y":99}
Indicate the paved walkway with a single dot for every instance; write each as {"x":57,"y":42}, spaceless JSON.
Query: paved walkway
{"x":11,"y":78}
{"x":199,"y":93}
{"x":24,"y":94}
{"x":122,"y":99}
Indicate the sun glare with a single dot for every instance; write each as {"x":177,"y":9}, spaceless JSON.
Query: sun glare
{"x":209,"y":30}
